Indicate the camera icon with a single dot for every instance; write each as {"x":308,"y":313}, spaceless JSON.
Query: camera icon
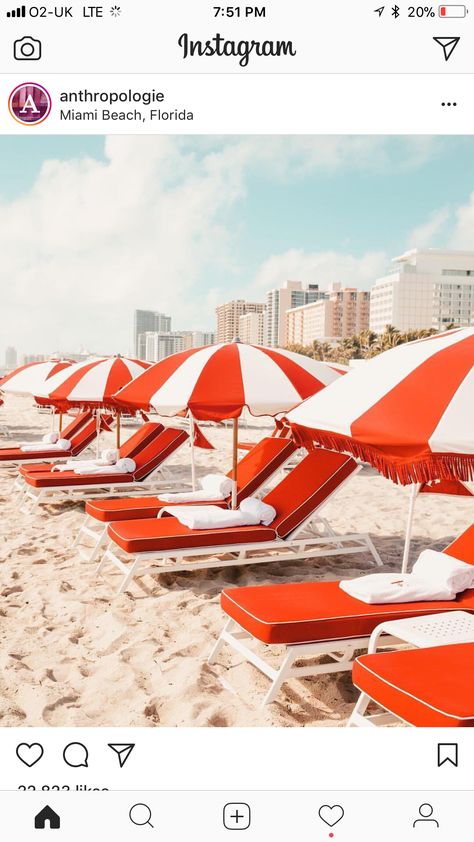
{"x":27,"y":49}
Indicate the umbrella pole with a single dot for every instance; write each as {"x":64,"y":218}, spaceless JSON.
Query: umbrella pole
{"x":118,"y":431}
{"x":193,"y":463}
{"x":60,"y":424}
{"x":97,"y":445}
{"x":411,"y":511}
{"x":235,"y":444}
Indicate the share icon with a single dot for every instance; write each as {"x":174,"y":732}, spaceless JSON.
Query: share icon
{"x":123,"y":751}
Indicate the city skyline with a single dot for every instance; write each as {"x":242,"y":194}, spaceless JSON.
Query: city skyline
{"x":93,"y":228}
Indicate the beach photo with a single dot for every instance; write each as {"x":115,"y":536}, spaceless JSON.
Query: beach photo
{"x":236,"y":431}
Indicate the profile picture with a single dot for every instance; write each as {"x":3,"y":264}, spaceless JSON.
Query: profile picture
{"x":29,"y":103}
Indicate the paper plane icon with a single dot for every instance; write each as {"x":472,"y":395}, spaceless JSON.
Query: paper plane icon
{"x":122,"y":750}
{"x":380,"y":11}
{"x":448,"y":45}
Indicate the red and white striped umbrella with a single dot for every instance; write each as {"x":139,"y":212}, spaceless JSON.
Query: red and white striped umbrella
{"x":92,"y":383}
{"x":33,"y":378}
{"x":217,"y":382}
{"x":409,"y":412}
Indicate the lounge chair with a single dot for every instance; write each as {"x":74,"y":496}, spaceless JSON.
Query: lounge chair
{"x":426,"y":688}
{"x":317,"y":618}
{"x":256,"y":468}
{"x":134,"y":444}
{"x":165,"y":545}
{"x":149,"y":447}
{"x":81,"y":432}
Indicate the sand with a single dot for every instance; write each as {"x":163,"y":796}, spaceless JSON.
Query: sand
{"x":74,"y":654}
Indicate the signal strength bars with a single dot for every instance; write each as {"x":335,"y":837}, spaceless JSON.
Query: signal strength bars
{"x":20,"y":12}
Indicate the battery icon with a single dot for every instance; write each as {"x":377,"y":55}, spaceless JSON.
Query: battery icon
{"x":452,"y":11}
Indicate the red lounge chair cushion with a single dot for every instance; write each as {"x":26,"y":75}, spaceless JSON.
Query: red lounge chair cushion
{"x":307,"y":487}
{"x":64,"y":479}
{"x":14,"y":454}
{"x":155,"y":535}
{"x":147,"y":433}
{"x":428,"y":688}
{"x":260,"y":463}
{"x":130,"y":508}
{"x":266,"y":457}
{"x":157,"y":451}
{"x":318,"y":611}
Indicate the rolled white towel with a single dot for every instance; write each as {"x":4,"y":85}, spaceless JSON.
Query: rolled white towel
{"x":444,"y":570}
{"x":50,"y":438}
{"x":122,"y":466}
{"x":61,"y":446}
{"x":109,"y":455}
{"x":385,"y":588}
{"x":216,"y":484}
{"x":265,"y":513}
{"x":81,"y":464}
{"x":210,"y":517}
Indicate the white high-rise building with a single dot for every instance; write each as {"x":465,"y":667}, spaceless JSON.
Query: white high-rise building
{"x":197,"y":338}
{"x":11,"y":358}
{"x":228,"y":316}
{"x":147,"y":321}
{"x":428,"y":288}
{"x":279,"y":301}
{"x":159,"y":344}
{"x":251,"y":328}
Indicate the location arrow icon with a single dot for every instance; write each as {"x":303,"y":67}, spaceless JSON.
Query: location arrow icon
{"x":380,"y":11}
{"x":448,"y":45}
{"x":122,"y":750}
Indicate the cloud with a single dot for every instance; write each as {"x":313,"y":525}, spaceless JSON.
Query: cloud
{"x":146,"y":227}
{"x":428,"y":234}
{"x":323,"y":267}
{"x":462,"y":236}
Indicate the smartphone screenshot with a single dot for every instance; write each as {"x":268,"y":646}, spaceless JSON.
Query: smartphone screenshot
{"x":236,"y":420}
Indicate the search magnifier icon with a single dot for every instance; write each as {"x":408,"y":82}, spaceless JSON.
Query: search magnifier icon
{"x":140,"y":814}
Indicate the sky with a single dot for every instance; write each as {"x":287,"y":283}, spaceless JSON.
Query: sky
{"x":93,"y":227}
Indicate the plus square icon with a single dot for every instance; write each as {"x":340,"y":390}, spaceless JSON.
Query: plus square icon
{"x":237,"y":816}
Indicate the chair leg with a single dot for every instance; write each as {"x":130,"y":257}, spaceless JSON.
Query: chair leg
{"x":129,"y":576}
{"x":373,"y":551}
{"x":357,"y":717}
{"x":283,"y":675}
{"x":98,"y":544}
{"x":221,"y":641}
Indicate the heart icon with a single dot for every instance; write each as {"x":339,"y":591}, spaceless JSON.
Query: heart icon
{"x":331,"y":815}
{"x":29,"y":754}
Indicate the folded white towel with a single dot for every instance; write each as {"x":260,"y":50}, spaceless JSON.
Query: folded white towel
{"x":209,"y":517}
{"x":265,"y":513}
{"x":216,"y":484}
{"x":392,"y":587}
{"x":192,"y":497}
{"x":61,"y":446}
{"x":443,"y":569}
{"x":122,"y":466}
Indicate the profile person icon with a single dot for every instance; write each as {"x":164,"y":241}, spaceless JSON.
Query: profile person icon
{"x":426,"y":816}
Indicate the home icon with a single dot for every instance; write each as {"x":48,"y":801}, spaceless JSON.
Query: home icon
{"x":47,"y":816}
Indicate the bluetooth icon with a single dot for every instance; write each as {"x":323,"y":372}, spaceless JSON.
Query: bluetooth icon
{"x":396,"y":11}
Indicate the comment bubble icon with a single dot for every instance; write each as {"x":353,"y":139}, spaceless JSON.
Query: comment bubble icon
{"x":76,"y":755}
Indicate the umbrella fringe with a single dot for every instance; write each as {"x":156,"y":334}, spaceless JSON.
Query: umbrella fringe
{"x":404,"y":472}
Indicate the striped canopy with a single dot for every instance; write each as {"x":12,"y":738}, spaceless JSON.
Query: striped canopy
{"x":409,"y":412}
{"x":218,"y":381}
{"x":92,"y":383}
{"x":33,"y":378}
